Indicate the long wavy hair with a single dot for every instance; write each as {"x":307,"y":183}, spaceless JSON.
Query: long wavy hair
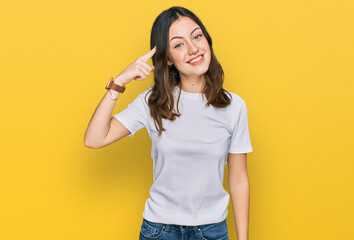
{"x":161,"y":100}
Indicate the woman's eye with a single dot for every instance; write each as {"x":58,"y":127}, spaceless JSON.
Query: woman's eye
{"x":194,"y":38}
{"x":198,"y":35}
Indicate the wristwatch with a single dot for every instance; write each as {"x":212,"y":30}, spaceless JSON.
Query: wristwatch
{"x":113,"y":86}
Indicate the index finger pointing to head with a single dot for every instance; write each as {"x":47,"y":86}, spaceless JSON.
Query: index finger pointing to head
{"x":149,"y":54}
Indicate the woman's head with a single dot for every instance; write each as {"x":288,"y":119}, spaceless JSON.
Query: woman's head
{"x":179,"y":36}
{"x":186,"y":42}
{"x":180,"y":22}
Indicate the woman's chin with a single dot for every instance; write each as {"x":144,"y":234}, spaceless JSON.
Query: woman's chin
{"x":194,"y":70}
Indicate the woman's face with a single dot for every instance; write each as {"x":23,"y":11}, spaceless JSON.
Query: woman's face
{"x":187,"y":42}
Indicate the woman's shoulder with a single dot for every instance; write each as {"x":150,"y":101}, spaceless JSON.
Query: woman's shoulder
{"x":235,"y":98}
{"x":145,"y":94}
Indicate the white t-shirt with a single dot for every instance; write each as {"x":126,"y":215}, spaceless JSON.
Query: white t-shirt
{"x":190,"y":156}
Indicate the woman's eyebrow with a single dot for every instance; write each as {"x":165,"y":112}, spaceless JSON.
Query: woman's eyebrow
{"x":181,"y":37}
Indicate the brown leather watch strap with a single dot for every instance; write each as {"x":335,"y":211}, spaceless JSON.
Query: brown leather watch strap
{"x":115,"y":87}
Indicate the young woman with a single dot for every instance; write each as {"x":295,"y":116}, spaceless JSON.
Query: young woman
{"x":195,"y":126}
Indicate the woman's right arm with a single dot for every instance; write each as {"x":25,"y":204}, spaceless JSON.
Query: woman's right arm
{"x":103,"y":129}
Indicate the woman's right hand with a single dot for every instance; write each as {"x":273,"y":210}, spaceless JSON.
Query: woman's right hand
{"x":138,"y":70}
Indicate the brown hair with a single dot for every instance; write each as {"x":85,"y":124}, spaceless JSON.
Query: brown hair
{"x":161,"y":101}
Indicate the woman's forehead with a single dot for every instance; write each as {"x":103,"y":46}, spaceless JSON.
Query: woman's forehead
{"x":183,"y":25}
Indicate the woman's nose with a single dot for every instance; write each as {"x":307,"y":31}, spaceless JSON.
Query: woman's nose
{"x":193,"y":49}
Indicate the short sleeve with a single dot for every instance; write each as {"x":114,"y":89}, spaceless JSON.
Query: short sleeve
{"x":240,"y":137}
{"x":133,"y":117}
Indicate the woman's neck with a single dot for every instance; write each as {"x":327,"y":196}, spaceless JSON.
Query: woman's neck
{"x":192,"y":85}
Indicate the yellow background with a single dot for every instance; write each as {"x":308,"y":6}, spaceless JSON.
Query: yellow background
{"x":292,"y":62}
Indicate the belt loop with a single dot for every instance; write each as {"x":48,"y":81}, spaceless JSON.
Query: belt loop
{"x":167,"y":227}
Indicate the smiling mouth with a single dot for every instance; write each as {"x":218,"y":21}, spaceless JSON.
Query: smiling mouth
{"x":197,"y":60}
{"x":201,"y":55}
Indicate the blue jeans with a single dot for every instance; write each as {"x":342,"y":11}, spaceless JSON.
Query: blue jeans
{"x":159,"y":231}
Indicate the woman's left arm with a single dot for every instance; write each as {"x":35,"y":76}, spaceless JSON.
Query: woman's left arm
{"x":239,"y":191}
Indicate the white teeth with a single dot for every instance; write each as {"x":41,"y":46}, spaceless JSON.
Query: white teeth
{"x":196,"y":60}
